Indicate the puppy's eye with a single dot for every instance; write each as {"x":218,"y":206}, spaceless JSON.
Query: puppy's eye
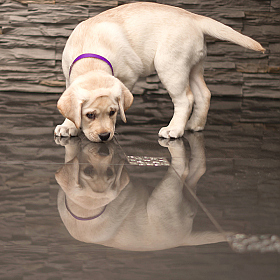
{"x":89,"y":171}
{"x":112,"y":113}
{"x":91,"y":116}
{"x":109,"y":172}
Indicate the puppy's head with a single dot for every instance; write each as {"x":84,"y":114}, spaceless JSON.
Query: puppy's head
{"x":92,"y":101}
{"x":94,"y":178}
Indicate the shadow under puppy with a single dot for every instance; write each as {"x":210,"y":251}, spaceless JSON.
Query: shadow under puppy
{"x":105,"y":55}
{"x":99,"y":204}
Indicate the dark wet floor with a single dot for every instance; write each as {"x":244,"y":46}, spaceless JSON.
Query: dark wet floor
{"x":203,"y":207}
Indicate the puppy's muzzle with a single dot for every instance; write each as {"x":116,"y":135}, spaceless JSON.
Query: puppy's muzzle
{"x":104,"y":136}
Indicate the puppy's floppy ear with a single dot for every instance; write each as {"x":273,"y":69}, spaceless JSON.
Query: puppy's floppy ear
{"x":68,"y":175}
{"x":122,"y":178}
{"x":125,"y":101}
{"x":70,"y":106}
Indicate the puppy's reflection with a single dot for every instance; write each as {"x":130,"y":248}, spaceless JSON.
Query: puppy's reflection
{"x":98,"y":203}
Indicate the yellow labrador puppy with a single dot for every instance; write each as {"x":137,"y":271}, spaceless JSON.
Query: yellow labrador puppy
{"x":105,"y":55}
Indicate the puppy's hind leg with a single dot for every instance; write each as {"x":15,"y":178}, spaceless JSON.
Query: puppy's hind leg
{"x":182,"y":108}
{"x":202,"y":98}
{"x":177,"y":85}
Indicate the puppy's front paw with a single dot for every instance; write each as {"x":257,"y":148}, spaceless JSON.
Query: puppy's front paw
{"x":170,"y":132}
{"x":65,"y":131}
{"x":67,"y":141}
{"x":171,"y":143}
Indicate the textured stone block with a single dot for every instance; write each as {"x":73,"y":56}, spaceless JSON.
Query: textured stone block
{"x":31,"y":68}
{"x":223,"y":76}
{"x":26,"y":54}
{"x":8,"y":7}
{"x":176,"y":2}
{"x":219,"y":65}
{"x":261,"y":85}
{"x":225,"y":89}
{"x":52,"y":83}
{"x":97,"y":3}
{"x":264,"y":31}
{"x":250,"y":5}
{"x":153,"y":79}
{"x":273,"y":69}
{"x":39,"y":30}
{"x":11,"y":41}
{"x":29,"y":88}
{"x":275,"y":4}
{"x":274,"y":48}
{"x":251,"y":67}
{"x":256,"y":18}
{"x":56,"y":13}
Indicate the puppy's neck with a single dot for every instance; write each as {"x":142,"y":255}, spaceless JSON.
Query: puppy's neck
{"x":80,"y":211}
{"x":84,"y":66}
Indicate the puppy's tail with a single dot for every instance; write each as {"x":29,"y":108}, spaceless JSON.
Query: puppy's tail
{"x":220,"y":31}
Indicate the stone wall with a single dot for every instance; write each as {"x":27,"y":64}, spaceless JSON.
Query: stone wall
{"x":33,"y":34}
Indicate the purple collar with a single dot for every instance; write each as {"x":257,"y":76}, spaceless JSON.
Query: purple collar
{"x":86,"y":55}
{"x":83,"y":219}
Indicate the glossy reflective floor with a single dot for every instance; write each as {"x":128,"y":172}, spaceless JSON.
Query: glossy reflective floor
{"x":203,"y":207}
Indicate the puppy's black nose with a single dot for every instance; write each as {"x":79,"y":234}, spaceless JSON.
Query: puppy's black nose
{"x":104,"y":136}
{"x":104,"y":151}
